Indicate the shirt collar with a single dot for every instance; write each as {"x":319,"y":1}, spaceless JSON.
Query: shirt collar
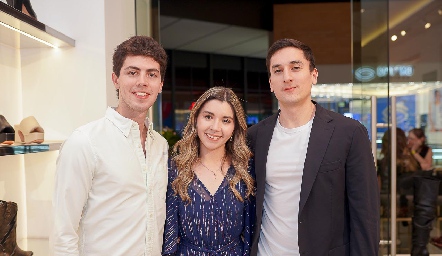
{"x":125,"y":124}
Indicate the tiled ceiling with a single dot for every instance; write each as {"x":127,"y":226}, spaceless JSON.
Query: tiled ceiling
{"x":202,"y":36}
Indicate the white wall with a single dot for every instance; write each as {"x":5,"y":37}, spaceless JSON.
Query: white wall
{"x":67,"y":87}
{"x":64,"y":89}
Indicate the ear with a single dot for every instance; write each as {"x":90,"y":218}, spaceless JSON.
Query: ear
{"x":315,"y":75}
{"x":271,"y":87}
{"x":115,"y":80}
{"x":160,"y":90}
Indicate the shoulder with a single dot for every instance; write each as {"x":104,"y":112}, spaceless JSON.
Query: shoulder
{"x":268,"y":122}
{"x":82,"y":135}
{"x":337,"y":119}
{"x":158,"y":137}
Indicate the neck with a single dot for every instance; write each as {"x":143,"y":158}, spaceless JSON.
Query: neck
{"x":135,"y":116}
{"x":292,"y":117}
{"x":213,"y":156}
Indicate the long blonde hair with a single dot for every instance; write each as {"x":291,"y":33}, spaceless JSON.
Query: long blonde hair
{"x":186,"y":150}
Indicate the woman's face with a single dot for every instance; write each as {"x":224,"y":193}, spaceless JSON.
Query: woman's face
{"x":414,"y":141}
{"x":215,"y":125}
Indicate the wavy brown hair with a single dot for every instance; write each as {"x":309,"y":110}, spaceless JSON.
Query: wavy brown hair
{"x":186,"y":150}
{"x":404,"y":159}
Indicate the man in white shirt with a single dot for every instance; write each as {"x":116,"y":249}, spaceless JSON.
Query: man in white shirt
{"x":317,"y":191}
{"x":111,"y":175}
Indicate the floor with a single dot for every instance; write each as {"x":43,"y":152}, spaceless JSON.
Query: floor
{"x":404,"y":239}
{"x":40,"y":247}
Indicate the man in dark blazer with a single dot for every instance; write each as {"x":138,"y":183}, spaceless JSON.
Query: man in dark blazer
{"x":317,"y":191}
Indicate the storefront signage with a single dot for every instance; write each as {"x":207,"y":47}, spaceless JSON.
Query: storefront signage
{"x":367,"y":73}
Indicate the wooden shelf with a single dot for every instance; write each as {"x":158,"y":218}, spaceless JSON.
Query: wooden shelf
{"x":18,"y":149}
{"x":12,"y":21}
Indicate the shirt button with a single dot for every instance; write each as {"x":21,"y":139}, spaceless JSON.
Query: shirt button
{"x":150,"y":215}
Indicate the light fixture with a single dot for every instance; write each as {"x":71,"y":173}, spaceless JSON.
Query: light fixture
{"x":403,"y":33}
{"x":362,"y":10}
{"x":427,"y":25}
{"x":28,"y":35}
{"x":439,"y":11}
{"x":393,"y":38}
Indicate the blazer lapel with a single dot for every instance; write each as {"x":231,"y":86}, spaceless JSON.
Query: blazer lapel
{"x":319,"y":139}
{"x":263,"y":138}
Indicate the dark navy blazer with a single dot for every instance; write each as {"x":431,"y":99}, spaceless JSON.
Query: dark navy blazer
{"x":339,"y":204}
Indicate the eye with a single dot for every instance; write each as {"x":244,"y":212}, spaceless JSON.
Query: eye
{"x":227,"y":121}
{"x":296,"y":68}
{"x":152,"y":74}
{"x":208,"y":117}
{"x":276,"y":71}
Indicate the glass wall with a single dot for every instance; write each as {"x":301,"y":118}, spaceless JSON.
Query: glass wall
{"x":191,"y":73}
{"x":397,"y":62}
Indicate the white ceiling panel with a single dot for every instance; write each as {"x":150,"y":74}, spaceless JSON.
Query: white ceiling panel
{"x":184,"y":31}
{"x":209,"y":37}
{"x":250,"y":47}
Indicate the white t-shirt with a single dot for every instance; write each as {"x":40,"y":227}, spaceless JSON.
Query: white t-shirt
{"x":285,"y":165}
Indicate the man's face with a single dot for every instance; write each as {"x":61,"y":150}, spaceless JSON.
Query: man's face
{"x":290,"y":77}
{"x":139,"y":84}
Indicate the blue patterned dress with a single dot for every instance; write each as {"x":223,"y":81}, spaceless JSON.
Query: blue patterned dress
{"x":208,"y":225}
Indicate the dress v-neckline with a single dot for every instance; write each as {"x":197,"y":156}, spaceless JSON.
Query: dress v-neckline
{"x":207,"y":190}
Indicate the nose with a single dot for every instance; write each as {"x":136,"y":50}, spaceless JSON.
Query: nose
{"x":287,"y":75}
{"x":216,"y":124}
{"x":142,"y":81}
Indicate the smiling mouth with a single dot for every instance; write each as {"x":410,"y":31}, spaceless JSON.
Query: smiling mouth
{"x":212,"y":137}
{"x":142,"y":94}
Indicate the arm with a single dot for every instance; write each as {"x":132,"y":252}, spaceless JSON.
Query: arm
{"x":363,"y":196}
{"x":249,"y":217}
{"x":171,"y":236}
{"x":425,"y":162}
{"x":73,"y":180}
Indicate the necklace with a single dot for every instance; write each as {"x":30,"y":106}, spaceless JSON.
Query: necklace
{"x":220,"y":168}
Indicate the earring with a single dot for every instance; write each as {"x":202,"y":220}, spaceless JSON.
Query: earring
{"x":231,"y":138}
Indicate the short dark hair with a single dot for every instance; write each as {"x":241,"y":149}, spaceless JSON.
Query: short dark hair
{"x":288,"y":42}
{"x":139,"y":46}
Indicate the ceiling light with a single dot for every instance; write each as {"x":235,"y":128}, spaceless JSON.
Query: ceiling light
{"x":439,"y":11}
{"x":393,"y":38}
{"x":427,"y":25}
{"x":363,"y":10}
{"x":403,"y":33}
{"x":28,"y":35}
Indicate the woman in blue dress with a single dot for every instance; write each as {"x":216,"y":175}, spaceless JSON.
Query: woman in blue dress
{"x":210,"y":206}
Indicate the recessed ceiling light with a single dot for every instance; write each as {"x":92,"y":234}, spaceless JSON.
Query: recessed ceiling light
{"x":427,"y":25}
{"x":393,"y":38}
{"x":403,"y":33}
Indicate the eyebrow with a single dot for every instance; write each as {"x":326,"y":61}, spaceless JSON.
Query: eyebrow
{"x":208,"y":112}
{"x":137,"y":68}
{"x":293,"y":62}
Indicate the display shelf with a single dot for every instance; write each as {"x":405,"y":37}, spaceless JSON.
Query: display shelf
{"x":15,"y":24}
{"x":17,"y":149}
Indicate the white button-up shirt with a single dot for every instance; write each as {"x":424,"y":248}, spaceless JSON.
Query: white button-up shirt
{"x":109,"y":198}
